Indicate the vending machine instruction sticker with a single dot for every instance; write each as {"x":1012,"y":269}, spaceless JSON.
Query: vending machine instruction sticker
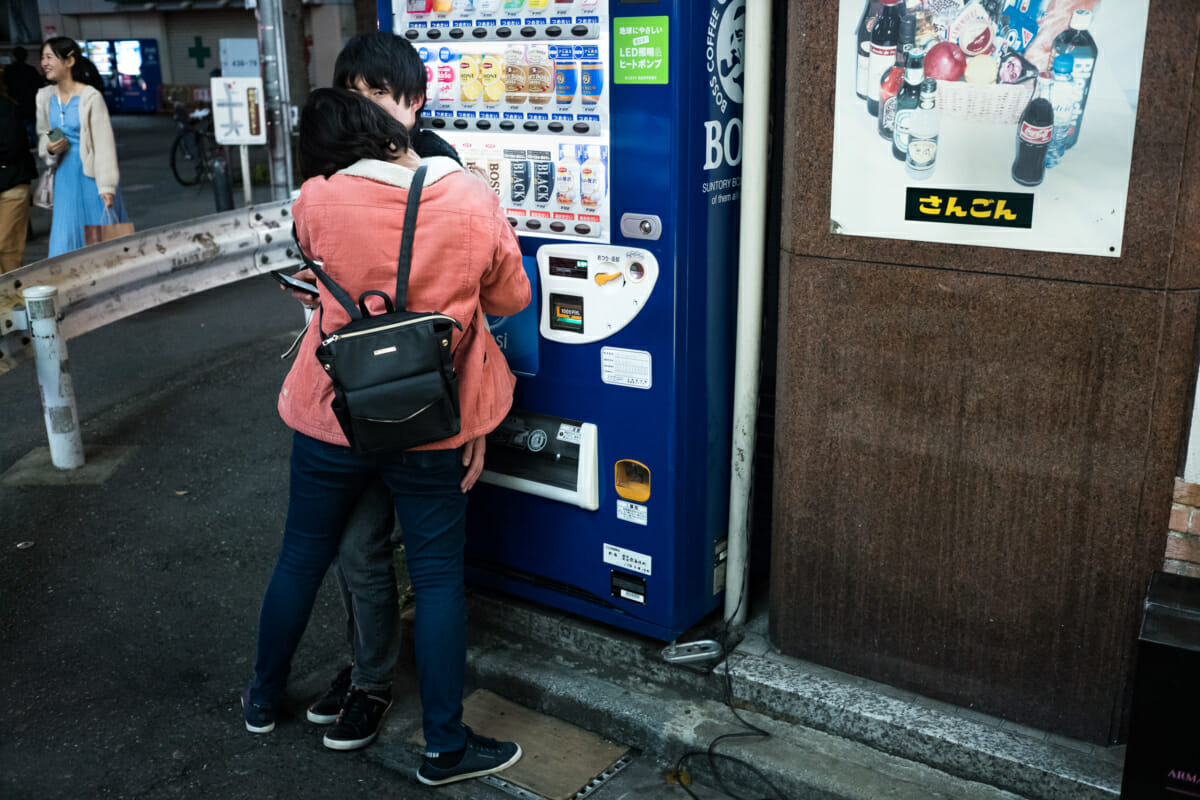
{"x":640,"y":50}
{"x":632,"y":512}
{"x":621,"y":367}
{"x":627,"y":559}
{"x":992,"y":123}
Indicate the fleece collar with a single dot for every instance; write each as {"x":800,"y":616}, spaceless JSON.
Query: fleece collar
{"x":438,"y":167}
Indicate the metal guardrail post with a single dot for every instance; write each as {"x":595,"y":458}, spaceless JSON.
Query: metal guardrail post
{"x":54,"y":377}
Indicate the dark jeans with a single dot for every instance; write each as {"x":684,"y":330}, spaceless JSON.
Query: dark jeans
{"x":326,"y":482}
{"x":367,"y":581}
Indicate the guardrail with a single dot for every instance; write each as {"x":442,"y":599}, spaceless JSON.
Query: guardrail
{"x":92,"y":287}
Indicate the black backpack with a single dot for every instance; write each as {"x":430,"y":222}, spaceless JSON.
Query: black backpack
{"x":394,"y":385}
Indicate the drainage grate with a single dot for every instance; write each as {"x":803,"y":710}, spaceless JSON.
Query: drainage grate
{"x":593,"y":785}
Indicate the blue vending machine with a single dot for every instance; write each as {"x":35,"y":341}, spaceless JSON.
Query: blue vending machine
{"x":611,"y":130}
{"x":138,"y":74}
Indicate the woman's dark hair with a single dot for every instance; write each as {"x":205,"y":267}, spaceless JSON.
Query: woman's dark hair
{"x":338,"y":128}
{"x":383,"y":61}
{"x":83,"y":70}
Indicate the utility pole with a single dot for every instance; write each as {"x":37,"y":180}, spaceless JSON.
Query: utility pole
{"x":279,"y":100}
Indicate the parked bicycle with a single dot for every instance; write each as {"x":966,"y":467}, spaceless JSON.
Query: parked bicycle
{"x":195,"y":146}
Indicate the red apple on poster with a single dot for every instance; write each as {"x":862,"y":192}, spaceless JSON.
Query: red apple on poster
{"x":945,"y":61}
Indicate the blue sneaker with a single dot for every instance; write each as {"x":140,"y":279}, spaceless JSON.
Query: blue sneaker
{"x":482,"y":756}
{"x":259,"y":719}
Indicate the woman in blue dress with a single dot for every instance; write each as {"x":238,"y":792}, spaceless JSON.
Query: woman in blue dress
{"x":74,"y":130}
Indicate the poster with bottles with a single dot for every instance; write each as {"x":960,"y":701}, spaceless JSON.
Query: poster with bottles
{"x":520,"y":89}
{"x":996,"y":123}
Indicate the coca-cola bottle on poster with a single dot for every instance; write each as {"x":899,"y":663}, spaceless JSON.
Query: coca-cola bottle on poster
{"x":892,"y":81}
{"x":863,"y":65}
{"x":885,"y":38}
{"x":1033,"y":136}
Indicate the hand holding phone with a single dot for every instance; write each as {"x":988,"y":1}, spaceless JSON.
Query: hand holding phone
{"x":57,"y":142}
{"x":295,"y":285}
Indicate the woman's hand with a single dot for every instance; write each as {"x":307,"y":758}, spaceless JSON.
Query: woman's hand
{"x":306,"y":299}
{"x":54,"y":148}
{"x":472,"y":459}
{"x":107,"y":197}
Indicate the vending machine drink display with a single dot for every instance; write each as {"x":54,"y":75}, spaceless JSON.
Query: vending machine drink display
{"x":611,"y":132}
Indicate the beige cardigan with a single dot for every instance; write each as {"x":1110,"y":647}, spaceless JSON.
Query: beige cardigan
{"x":97,"y":148}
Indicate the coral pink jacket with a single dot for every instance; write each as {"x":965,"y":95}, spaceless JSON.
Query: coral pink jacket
{"x":465,"y":262}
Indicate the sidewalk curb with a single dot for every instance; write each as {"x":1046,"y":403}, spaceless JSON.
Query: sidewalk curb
{"x":833,"y":735}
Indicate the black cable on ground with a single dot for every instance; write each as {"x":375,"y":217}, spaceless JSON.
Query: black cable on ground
{"x":752,"y":731}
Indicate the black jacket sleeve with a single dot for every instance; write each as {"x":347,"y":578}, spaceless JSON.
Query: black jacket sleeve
{"x":427,"y":144}
{"x":16,"y":162}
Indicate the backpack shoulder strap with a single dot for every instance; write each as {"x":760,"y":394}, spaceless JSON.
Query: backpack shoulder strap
{"x":410,"y":224}
{"x":336,"y":291}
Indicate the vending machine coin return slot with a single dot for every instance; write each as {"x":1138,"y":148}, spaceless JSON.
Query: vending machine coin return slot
{"x":632,"y":480}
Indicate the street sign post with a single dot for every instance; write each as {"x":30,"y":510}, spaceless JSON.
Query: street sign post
{"x":239,"y":118}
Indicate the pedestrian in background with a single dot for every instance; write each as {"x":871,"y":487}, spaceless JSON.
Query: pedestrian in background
{"x":75,"y":136}
{"x":23,"y":81}
{"x":17,"y":171}
{"x":465,"y":261}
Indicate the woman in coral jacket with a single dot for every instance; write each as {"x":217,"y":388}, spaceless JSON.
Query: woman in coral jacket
{"x":465,"y":262}
{"x":83,"y":147}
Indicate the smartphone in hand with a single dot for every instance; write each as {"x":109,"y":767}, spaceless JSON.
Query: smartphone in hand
{"x":288,"y":282}
{"x":56,"y":134}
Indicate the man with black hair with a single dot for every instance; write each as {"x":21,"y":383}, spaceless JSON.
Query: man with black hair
{"x":386,"y":69}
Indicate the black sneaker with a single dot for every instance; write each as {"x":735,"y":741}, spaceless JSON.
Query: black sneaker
{"x":327,"y":707}
{"x":359,"y":721}
{"x":259,"y":719}
{"x":482,"y":756}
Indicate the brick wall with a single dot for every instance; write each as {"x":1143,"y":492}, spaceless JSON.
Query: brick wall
{"x":1183,"y":540}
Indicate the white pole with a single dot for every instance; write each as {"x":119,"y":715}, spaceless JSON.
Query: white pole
{"x":54,"y":378}
{"x":751,"y":249}
{"x":247,"y":189}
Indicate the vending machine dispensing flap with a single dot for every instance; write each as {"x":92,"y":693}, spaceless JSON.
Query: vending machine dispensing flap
{"x":546,"y":456}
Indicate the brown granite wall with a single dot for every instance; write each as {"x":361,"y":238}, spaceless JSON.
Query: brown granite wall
{"x":975,"y":448}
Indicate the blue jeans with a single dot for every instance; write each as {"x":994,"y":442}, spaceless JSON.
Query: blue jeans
{"x":326,"y":482}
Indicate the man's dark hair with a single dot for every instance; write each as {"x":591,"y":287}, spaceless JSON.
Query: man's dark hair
{"x":19,"y":55}
{"x":383,"y":61}
{"x":338,"y":128}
